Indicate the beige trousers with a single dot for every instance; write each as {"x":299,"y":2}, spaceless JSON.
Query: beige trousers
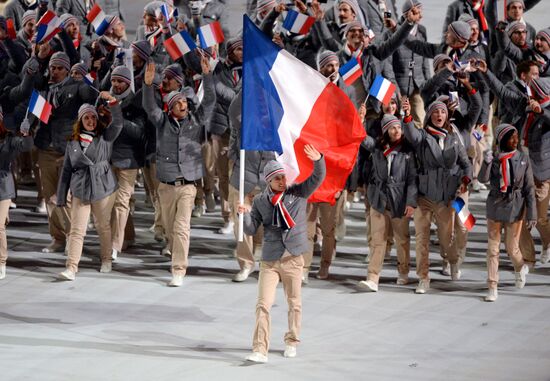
{"x":121,"y":208}
{"x":289,"y":270}
{"x":80,"y":214}
{"x":512,"y":234}
{"x":327,"y":221}
{"x":246,"y":248}
{"x":50,"y":163}
{"x":444,"y":216}
{"x":526,"y":243}
{"x":4,"y":214}
{"x":380,"y":229}
{"x":417,"y":109}
{"x":220,"y":148}
{"x":150,"y":177}
{"x":176,"y":203}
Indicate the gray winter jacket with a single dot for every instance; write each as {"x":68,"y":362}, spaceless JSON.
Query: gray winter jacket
{"x":400,"y":61}
{"x":276,"y":241}
{"x":89,"y":175}
{"x":539,"y":146}
{"x":520,"y":196}
{"x":178,"y":148}
{"x":396,"y":191}
{"x":129,"y":147}
{"x":226,"y":89}
{"x":10,"y":148}
{"x":255,"y":161}
{"x":438,"y":178}
{"x":512,"y":97}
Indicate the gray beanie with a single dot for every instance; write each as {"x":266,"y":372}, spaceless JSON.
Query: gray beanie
{"x":502,"y":130}
{"x":469,"y":19}
{"x":174,"y":71}
{"x":389,"y":120}
{"x":122,"y":73}
{"x":142,"y":49}
{"x":439,"y":59}
{"x":325,"y":57}
{"x":60,"y":59}
{"x":85,"y":109}
{"x":271,"y":169}
{"x":544,"y":34}
{"x":515,"y":26}
{"x":461,"y":30}
{"x":407,"y":6}
{"x":510,"y":2}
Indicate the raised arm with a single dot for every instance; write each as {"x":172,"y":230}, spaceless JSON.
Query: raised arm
{"x":308,"y":186}
{"x":387,"y":47}
{"x":112,"y":132}
{"x":154,"y":112}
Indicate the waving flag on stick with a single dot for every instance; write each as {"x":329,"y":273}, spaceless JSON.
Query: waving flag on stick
{"x":48,"y":26}
{"x":297,"y":22}
{"x":382,"y":89}
{"x":40,"y":107}
{"x":351,"y":71}
{"x":97,"y":18}
{"x":210,"y":34}
{"x":461,"y":208}
{"x":179,"y":44}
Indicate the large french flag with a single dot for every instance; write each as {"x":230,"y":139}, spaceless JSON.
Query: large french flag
{"x":210,"y":34}
{"x":287,"y":104}
{"x":97,"y":18}
{"x":48,"y":26}
{"x":382,"y":89}
{"x":461,"y":208}
{"x":297,"y":22}
{"x":179,"y":44}
{"x":40,"y":107}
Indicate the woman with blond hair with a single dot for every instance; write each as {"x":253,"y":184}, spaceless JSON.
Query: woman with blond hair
{"x":87,"y":173}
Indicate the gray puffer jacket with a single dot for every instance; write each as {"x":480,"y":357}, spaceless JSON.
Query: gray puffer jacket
{"x":276,"y":241}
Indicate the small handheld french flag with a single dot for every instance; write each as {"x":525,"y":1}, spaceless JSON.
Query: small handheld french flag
{"x":210,"y":34}
{"x":382,"y":89}
{"x":97,"y":18}
{"x":296,"y":22}
{"x":40,"y":107}
{"x":467,"y":218}
{"x":461,"y":66}
{"x":48,"y":26}
{"x":351,"y":71}
{"x":179,"y":44}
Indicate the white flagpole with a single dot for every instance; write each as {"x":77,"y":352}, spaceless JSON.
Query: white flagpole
{"x":241,"y":193}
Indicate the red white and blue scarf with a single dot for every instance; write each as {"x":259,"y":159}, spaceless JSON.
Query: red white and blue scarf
{"x":281,"y":216}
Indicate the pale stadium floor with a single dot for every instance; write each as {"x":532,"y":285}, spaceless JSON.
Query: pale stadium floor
{"x":128,"y":325}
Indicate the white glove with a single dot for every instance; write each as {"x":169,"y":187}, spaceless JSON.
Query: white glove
{"x":25,"y":126}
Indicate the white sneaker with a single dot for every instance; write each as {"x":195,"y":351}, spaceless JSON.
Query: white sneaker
{"x":475,"y":186}
{"x":305,"y":276}
{"x":290,"y":351}
{"x":106,"y":267}
{"x":368,"y":285}
{"x":227,"y":228}
{"x":242,"y":275}
{"x":482,"y":186}
{"x":54,"y":247}
{"x":67,"y":275}
{"x":455,"y":272}
{"x":256,"y":357}
{"x":521,"y":275}
{"x":177,"y":281}
{"x":114,"y":255}
{"x":198,"y":211}
{"x":166,"y":251}
{"x":340,"y":231}
{"x":356,"y":197}
{"x":545,"y":256}
{"x":41,"y":208}
{"x":347,"y":206}
{"x":13,"y":205}
{"x":445,"y":268}
{"x":2,"y":271}
{"x":402,"y":279}
{"x":492,"y":295}
{"x":423,"y":286}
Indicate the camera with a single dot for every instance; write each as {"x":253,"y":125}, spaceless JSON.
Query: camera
{"x":387,"y":15}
